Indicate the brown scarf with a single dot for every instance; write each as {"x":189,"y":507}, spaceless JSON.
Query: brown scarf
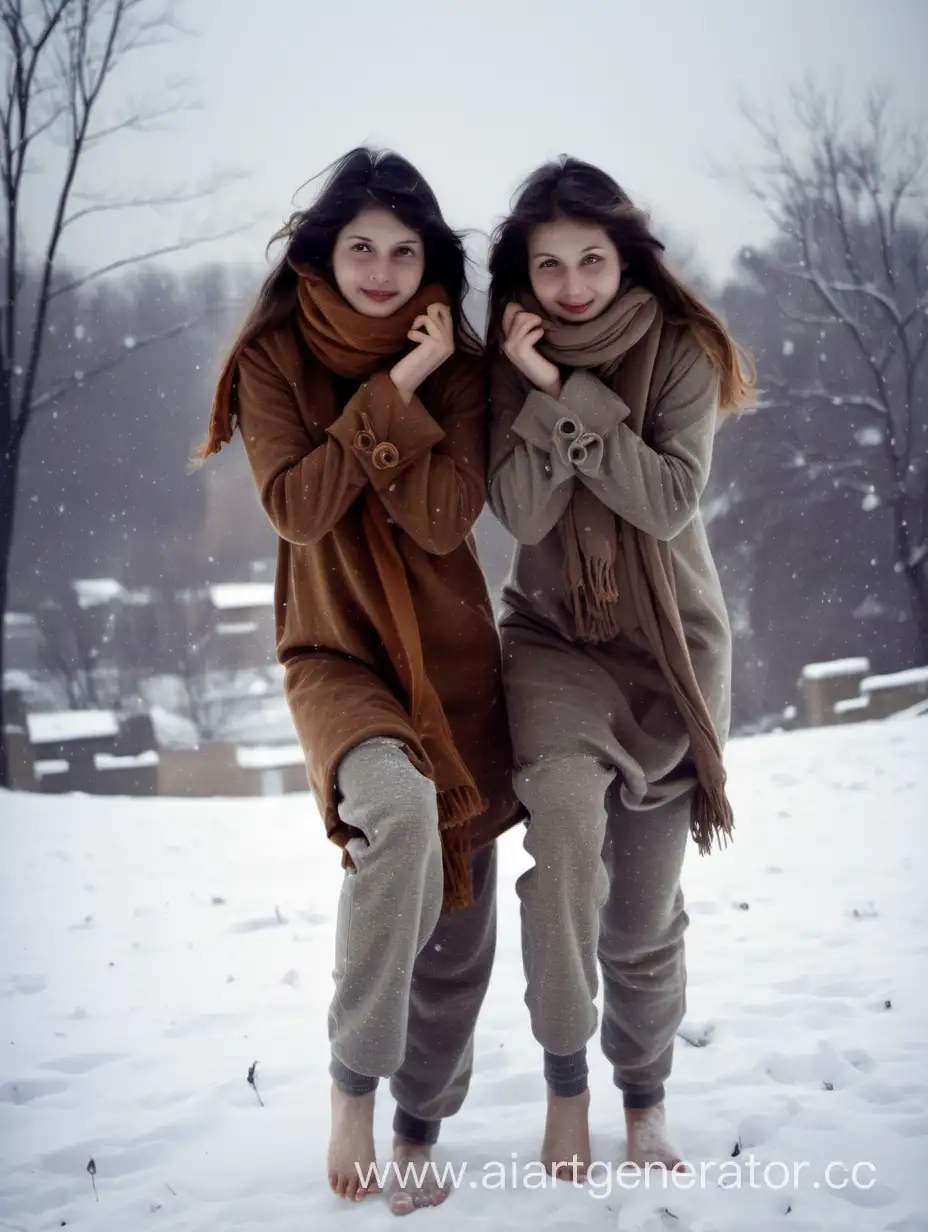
{"x":352,"y":345}
{"x":619,"y":578}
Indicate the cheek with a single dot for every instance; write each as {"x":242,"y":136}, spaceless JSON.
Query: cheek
{"x":346,"y":267}
{"x":606,"y":279}
{"x":409,"y":276}
{"x":545,"y":284}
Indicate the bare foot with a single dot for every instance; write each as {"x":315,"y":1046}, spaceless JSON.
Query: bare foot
{"x":647,"y":1139}
{"x":413,"y":1182}
{"x":565,"y":1151}
{"x":351,"y":1146}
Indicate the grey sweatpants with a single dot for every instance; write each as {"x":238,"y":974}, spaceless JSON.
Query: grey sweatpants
{"x":604,"y":891}
{"x":409,"y":981}
{"x":605,"y":773}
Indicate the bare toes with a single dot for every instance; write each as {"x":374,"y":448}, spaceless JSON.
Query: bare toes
{"x":402,"y":1204}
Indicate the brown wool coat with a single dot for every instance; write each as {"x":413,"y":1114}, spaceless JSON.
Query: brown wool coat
{"x":300,"y":427}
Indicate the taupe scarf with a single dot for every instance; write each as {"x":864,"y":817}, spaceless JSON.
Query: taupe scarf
{"x":619,"y":578}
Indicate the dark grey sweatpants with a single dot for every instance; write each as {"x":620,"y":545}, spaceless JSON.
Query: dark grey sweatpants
{"x":604,"y":772}
{"x":409,"y":981}
{"x":604,"y":892}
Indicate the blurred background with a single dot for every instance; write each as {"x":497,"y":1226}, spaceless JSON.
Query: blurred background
{"x":149,"y":150}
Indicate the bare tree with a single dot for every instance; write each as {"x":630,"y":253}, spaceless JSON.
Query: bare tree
{"x":850,"y":272}
{"x":70,"y":650}
{"x":58,"y":60}
{"x":205,"y":691}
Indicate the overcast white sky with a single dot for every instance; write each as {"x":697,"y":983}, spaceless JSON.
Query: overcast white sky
{"x":477,"y":93}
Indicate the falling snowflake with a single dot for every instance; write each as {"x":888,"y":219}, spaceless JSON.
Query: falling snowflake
{"x":870,"y":502}
{"x":788,"y":346}
{"x":868,"y":436}
{"x":129,"y":342}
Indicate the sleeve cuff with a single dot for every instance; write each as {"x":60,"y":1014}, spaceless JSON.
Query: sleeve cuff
{"x":586,"y":453}
{"x":543,"y":420}
{"x":383,"y":432}
{"x":592,"y":403}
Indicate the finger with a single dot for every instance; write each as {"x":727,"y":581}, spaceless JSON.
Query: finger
{"x":510,"y":312}
{"x":534,"y":336}
{"x":432,"y":330}
{"x":527,"y":324}
{"x":441,"y":315}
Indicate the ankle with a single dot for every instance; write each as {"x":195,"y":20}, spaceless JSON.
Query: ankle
{"x":566,"y":1074}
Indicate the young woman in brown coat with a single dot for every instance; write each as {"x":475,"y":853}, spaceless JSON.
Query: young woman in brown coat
{"x":357,"y":387}
{"x":608,"y":375}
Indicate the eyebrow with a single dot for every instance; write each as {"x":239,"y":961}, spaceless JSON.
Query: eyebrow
{"x":589,"y":248}
{"x":367,"y":240}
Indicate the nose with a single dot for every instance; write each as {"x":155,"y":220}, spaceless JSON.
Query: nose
{"x":573,"y":285}
{"x":380,"y":274}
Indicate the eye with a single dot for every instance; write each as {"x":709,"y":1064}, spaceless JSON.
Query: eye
{"x":360,"y":247}
{"x":547,"y":263}
{"x":405,"y":251}
{"x":591,"y":259}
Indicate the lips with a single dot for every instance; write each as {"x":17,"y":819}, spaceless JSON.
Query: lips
{"x":379,"y":297}
{"x":576,"y":309}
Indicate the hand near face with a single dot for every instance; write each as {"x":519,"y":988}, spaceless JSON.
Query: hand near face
{"x":433,"y":334}
{"x":522,"y":331}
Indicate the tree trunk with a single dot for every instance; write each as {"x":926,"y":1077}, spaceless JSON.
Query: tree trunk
{"x":914,"y":570}
{"x":917,"y":578}
{"x":9,"y":465}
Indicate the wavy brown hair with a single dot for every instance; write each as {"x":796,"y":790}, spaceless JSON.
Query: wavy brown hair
{"x":361,"y":178}
{"x":569,"y":188}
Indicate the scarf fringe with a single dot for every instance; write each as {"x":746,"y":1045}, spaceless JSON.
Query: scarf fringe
{"x":713,"y":819}
{"x":595,"y":603}
{"x":456,"y":864}
{"x":456,"y":807}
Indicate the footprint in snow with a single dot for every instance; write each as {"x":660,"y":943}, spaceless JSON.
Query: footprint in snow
{"x":254,"y":926}
{"x":24,"y":985}
{"x":83,"y":1063}
{"x":28,"y":1089}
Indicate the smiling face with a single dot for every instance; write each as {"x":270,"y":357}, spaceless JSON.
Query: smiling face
{"x":378,"y":262}
{"x":574,"y":269}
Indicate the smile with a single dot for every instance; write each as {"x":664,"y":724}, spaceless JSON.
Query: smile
{"x":576,"y":309}
{"x":379,"y":297}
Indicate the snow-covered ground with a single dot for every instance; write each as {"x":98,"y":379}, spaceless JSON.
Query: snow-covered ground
{"x":153,"y":950}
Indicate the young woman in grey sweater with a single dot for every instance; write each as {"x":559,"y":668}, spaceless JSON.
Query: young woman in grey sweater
{"x":608,"y":379}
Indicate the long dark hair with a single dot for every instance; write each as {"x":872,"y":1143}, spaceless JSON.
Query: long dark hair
{"x":570,"y":188}
{"x":361,"y":178}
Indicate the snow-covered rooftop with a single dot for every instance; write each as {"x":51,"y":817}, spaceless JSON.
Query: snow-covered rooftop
{"x":849,"y":704}
{"x":235,"y":628}
{"x":93,"y":591}
{"x":836,"y":667}
{"x":267,"y":756}
{"x":230,"y":595}
{"x":897,"y":680}
{"x":62,"y":725}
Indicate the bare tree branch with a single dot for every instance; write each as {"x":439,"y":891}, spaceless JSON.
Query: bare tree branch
{"x":61,"y":388}
{"x":181,"y":197}
{"x":139,"y":259}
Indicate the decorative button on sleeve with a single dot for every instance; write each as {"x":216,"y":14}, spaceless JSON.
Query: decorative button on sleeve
{"x":567,"y":428}
{"x":385,"y":456}
{"x":365,"y":439}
